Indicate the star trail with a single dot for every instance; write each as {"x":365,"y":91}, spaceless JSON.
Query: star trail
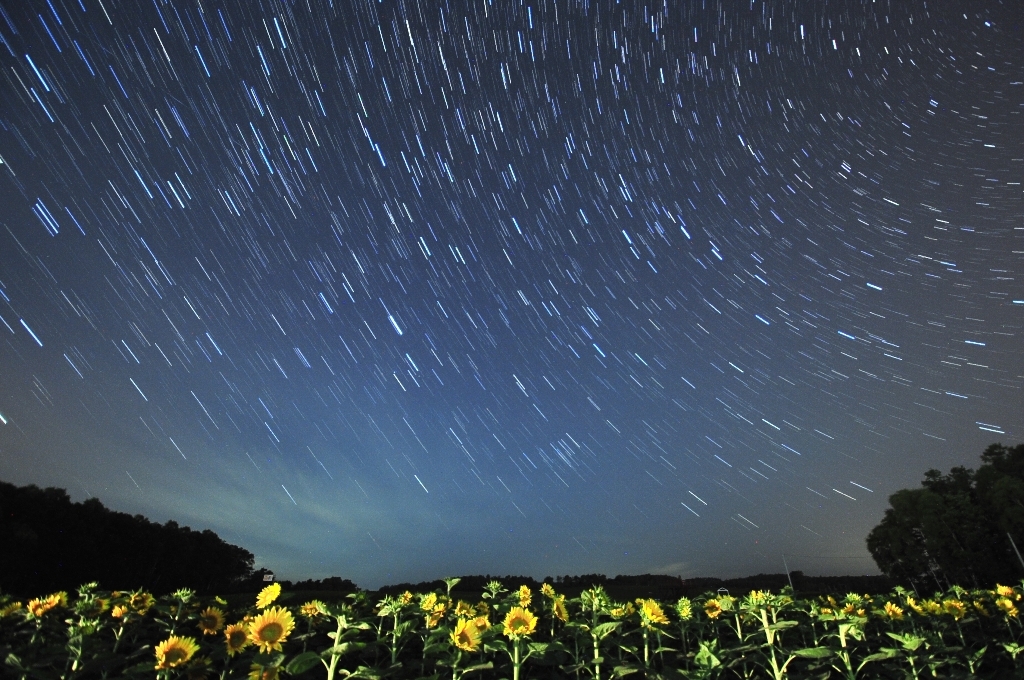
{"x":399,"y":290}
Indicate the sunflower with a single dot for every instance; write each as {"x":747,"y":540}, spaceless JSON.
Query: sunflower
{"x":625,"y":611}
{"x":236,"y":637}
{"x":466,"y":635}
{"x":464,"y":610}
{"x":651,"y":614}
{"x":712,"y":608}
{"x":482,"y":608}
{"x":481,"y":623}
{"x":313,"y":609}
{"x":558,"y":608}
{"x":141,"y":602}
{"x":1007,"y":606}
{"x":524,"y":596}
{"x":268,"y":595}
{"x":758,"y":598}
{"x":9,"y":609}
{"x":684,"y":608}
{"x":174,"y":651}
{"x":1004,"y":591}
{"x":268,"y":630}
{"x":912,"y":603}
{"x":436,"y":614}
{"x":955,"y":608}
{"x":892,"y":611}
{"x":258,"y":672}
{"x":197,"y":668}
{"x":428,"y":602}
{"x":932,"y":607}
{"x":39,"y":607}
{"x":547,"y":591}
{"x":405,"y":598}
{"x":94,"y":608}
{"x":211,"y":620}
{"x":119,"y":611}
{"x":519,"y":622}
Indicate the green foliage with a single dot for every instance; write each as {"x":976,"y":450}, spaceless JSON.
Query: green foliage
{"x":99,"y":634}
{"x":957,"y":528}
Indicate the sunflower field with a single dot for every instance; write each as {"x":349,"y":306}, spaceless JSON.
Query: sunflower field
{"x":514,"y":634}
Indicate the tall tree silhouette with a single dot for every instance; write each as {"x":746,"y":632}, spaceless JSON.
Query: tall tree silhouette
{"x":960,"y":527}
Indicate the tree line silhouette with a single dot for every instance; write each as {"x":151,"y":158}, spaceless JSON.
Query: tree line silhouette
{"x":49,"y":543}
{"x":965,"y":528}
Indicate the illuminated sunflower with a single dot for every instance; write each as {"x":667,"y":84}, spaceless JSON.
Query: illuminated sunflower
{"x":623,"y":612}
{"x":268,"y":630}
{"x":39,"y":607}
{"x":268,"y":595}
{"x":313,"y":609}
{"x":1007,"y":606}
{"x":436,"y":615}
{"x":481,"y":623}
{"x":405,"y":598}
{"x":141,"y":602}
{"x":980,"y":606}
{"x":482,"y":608}
{"x":9,"y":609}
{"x":684,"y":608}
{"x":912,"y":603}
{"x":427,"y":603}
{"x":466,"y":635}
{"x":174,"y":651}
{"x":524,"y":596}
{"x":1004,"y":591}
{"x":236,"y":636}
{"x":519,"y":622}
{"x":955,"y":608}
{"x":651,"y":614}
{"x":211,"y":620}
{"x":932,"y":607}
{"x":547,"y":591}
{"x":558,"y":608}
{"x":758,"y":598}
{"x":464,"y":610}
{"x":893,"y":612}
{"x":712,"y":608}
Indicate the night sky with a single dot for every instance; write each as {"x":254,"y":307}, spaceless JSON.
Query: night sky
{"x":400,"y":290}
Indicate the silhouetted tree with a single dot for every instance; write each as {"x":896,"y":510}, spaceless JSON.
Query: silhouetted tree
{"x":958,"y":527}
{"x":48,"y":543}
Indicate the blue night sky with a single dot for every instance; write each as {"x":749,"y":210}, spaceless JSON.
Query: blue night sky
{"x":399,"y":290}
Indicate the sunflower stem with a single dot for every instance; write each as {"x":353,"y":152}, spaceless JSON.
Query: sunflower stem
{"x":515,"y":661}
{"x":394,"y":641}
{"x":334,"y":657}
